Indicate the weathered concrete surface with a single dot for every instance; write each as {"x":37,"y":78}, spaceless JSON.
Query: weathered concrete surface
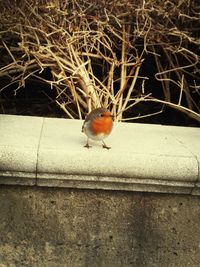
{"x":19,"y":138}
{"x":50,"y":152}
{"x":48,"y":227}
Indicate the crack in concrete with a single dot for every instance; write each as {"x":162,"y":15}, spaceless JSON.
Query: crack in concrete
{"x":38,"y":149}
{"x":196,"y":158}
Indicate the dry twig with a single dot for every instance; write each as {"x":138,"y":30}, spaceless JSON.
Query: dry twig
{"x":95,"y":51}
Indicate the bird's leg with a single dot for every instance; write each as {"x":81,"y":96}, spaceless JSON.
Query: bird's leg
{"x":105,"y":146}
{"x":87,"y":144}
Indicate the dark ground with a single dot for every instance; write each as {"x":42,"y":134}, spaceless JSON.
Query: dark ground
{"x":38,"y":99}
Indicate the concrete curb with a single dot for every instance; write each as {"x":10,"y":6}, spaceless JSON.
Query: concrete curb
{"x":50,"y":152}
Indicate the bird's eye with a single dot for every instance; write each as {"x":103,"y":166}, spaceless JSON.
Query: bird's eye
{"x":101,"y":115}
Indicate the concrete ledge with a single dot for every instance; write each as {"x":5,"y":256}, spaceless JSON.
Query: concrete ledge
{"x":50,"y":152}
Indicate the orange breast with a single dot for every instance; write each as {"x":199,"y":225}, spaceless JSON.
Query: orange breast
{"x":102,"y":125}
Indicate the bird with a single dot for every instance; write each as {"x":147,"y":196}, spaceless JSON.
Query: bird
{"x":98,"y":125}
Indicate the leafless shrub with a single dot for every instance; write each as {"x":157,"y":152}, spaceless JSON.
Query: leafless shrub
{"x":96,"y":49}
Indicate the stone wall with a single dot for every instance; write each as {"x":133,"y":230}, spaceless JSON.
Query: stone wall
{"x":95,"y":228}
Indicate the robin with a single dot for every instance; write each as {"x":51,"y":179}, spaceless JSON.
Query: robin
{"x":98,"y":125}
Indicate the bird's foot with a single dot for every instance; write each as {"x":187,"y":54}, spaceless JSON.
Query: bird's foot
{"x":105,"y":146}
{"x":87,"y":146}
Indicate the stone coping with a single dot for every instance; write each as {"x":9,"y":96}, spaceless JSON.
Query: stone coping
{"x":144,"y":157}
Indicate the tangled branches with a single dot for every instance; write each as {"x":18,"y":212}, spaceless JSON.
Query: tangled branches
{"x":99,"y":52}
